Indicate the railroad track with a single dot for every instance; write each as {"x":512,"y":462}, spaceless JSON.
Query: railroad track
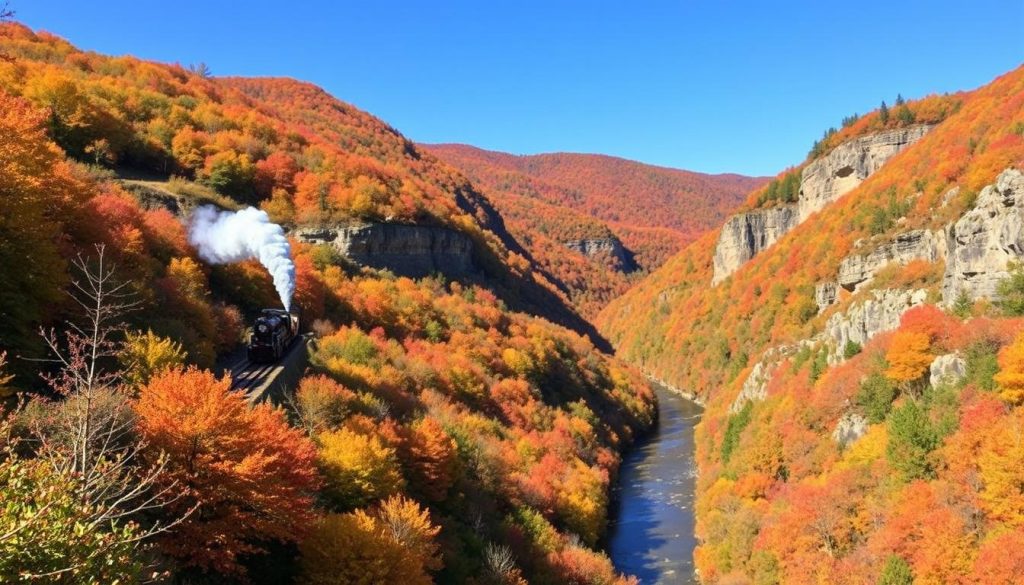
{"x":246,"y":376}
{"x":249,"y":377}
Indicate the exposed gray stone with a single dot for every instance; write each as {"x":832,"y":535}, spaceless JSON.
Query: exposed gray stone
{"x":845,"y":167}
{"x":949,"y":368}
{"x":151,"y":197}
{"x":850,"y":427}
{"x":881,"y":311}
{"x":825,"y":295}
{"x":838,"y":172}
{"x":950,"y":195}
{"x":745,"y":235}
{"x":407,"y":250}
{"x":755,"y":387}
{"x":856,"y":270}
{"x":611,"y":248}
{"x":986,"y":239}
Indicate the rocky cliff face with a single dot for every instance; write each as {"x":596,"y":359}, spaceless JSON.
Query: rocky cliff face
{"x":407,"y":250}
{"x":821,"y":182}
{"x":610,"y":248}
{"x":744,"y":235}
{"x":865,"y":319}
{"x":947,"y":369}
{"x":851,"y":426}
{"x":858,"y":269}
{"x":986,"y":239}
{"x":835,"y":174}
{"x":825,"y":295}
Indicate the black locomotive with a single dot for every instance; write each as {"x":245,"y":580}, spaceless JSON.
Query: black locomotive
{"x":272,"y":335}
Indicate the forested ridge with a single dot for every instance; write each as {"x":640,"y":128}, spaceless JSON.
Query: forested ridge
{"x":861,"y":363}
{"x":861,"y":385}
{"x":551,"y":199}
{"x":440,"y":434}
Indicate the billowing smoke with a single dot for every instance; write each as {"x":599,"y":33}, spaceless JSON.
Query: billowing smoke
{"x":223,"y":237}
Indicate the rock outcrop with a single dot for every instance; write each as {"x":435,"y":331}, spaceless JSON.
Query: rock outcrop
{"x":837,"y":173}
{"x":407,"y":250}
{"x":823,"y":181}
{"x":755,"y":387}
{"x":986,"y":239}
{"x":850,"y":427}
{"x":744,"y":235}
{"x":857,"y":270}
{"x":610,"y":248}
{"x":881,"y":311}
{"x":825,"y":295}
{"x":949,"y":368}
{"x":151,"y":197}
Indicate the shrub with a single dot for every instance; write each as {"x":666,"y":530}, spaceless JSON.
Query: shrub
{"x":147,"y":354}
{"x":392,"y":544}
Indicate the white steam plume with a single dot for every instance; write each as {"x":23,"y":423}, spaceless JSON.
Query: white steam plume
{"x":223,"y":237}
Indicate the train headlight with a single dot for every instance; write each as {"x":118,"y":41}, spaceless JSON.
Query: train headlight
{"x":262,"y":328}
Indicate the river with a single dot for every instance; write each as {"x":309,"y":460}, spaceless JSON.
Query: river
{"x":651,"y":533}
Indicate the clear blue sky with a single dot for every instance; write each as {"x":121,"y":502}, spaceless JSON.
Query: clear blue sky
{"x":711,"y":85}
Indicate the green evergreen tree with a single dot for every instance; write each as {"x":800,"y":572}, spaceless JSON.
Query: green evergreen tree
{"x":875,"y":397}
{"x":883,"y":113}
{"x":896,"y":572}
{"x":912,"y":438}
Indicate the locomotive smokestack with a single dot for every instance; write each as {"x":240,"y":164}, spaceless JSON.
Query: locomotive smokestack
{"x":223,"y":237}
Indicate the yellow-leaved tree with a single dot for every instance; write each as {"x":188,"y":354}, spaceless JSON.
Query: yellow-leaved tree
{"x":1011,"y":372}
{"x":147,"y":354}
{"x":393,"y":543}
{"x":358,"y":469}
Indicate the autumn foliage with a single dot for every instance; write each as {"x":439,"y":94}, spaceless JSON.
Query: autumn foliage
{"x":393,"y":543}
{"x":551,"y":199}
{"x":922,"y":491}
{"x":1011,"y":372}
{"x":248,"y":474}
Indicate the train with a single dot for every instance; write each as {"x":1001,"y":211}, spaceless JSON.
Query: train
{"x":273,"y":332}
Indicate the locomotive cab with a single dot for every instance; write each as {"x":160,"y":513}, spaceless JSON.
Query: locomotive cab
{"x":272,"y":335}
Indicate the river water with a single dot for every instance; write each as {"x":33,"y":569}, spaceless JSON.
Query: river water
{"x":651,"y":533}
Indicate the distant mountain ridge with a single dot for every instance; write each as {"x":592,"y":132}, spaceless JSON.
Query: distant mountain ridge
{"x":687,"y":201}
{"x":596,"y":223}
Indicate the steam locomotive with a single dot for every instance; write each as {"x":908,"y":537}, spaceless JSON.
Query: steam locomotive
{"x":272,"y":334}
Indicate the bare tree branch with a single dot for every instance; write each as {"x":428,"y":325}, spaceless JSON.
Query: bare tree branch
{"x":89,"y":435}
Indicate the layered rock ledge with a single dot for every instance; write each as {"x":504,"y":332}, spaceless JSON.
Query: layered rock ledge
{"x":406,"y":250}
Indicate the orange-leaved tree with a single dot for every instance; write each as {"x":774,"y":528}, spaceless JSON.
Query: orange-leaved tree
{"x":431,"y":458}
{"x":251,"y":476}
{"x":909,"y":356}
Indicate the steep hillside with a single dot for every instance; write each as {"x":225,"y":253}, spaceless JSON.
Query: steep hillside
{"x":443,"y":433}
{"x":859,"y":366}
{"x":558,"y":201}
{"x":305,"y":157}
